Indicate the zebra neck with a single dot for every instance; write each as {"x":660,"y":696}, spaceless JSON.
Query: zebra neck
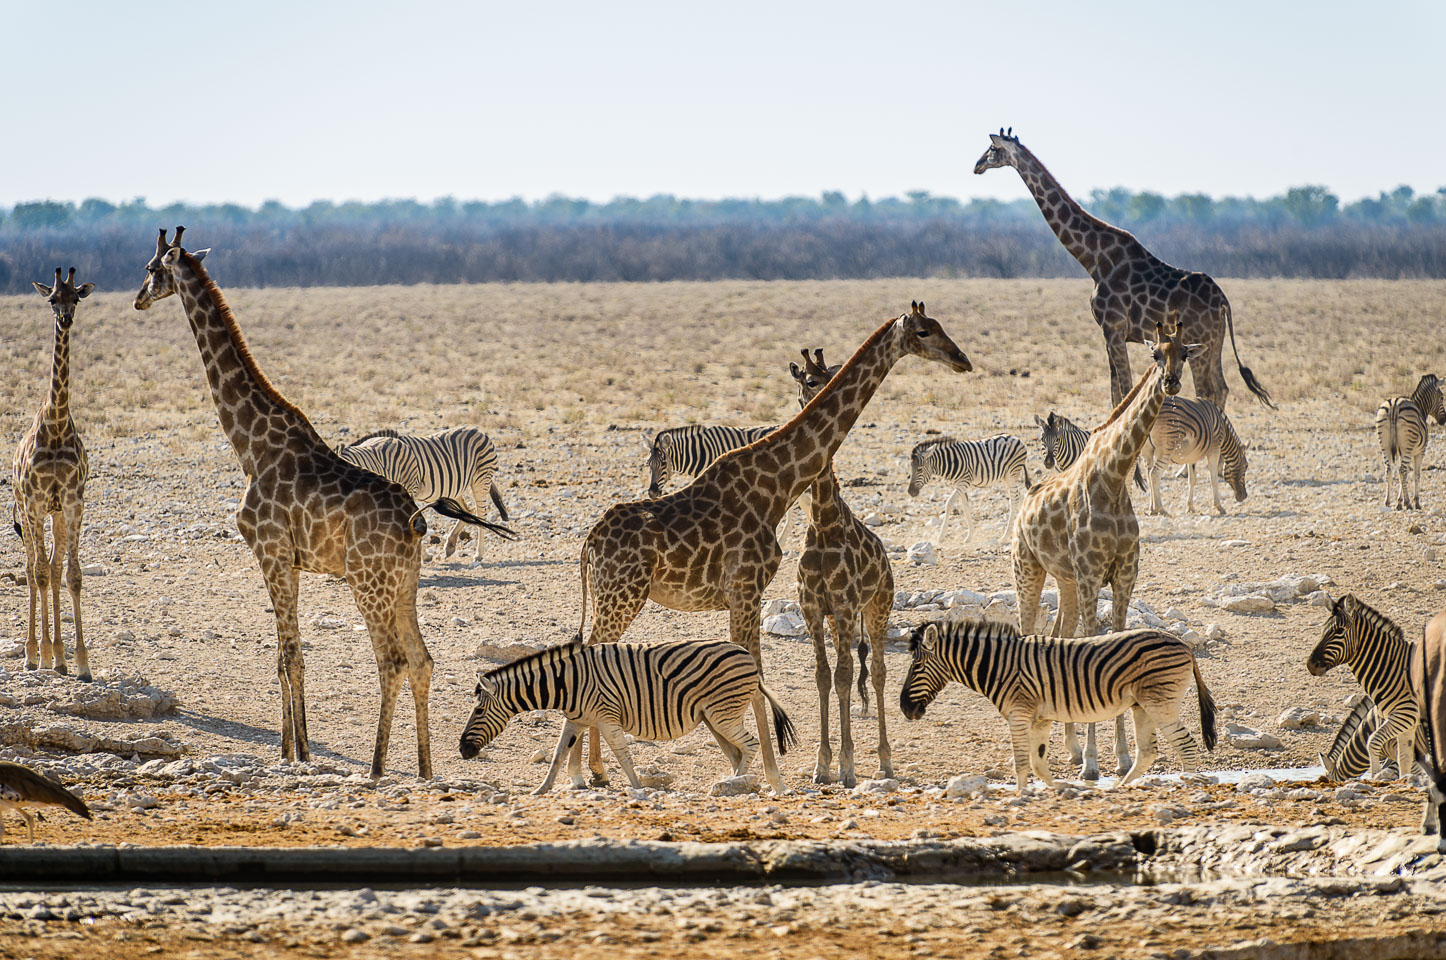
{"x":1375,"y":664}
{"x":545,"y":686}
{"x":1422,"y":398}
{"x":975,"y":659}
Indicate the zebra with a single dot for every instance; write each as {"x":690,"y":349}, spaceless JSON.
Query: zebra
{"x":688,"y":451}
{"x":1428,"y":680}
{"x":443,"y":466}
{"x":1189,"y":431}
{"x":1063,"y":442}
{"x":1401,"y":427}
{"x":966,"y":464}
{"x":1348,"y":756}
{"x":654,"y":691}
{"x":1378,"y":653}
{"x":1034,"y":681}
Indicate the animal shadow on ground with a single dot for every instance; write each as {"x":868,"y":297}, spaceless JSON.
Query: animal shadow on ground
{"x":257,"y":736}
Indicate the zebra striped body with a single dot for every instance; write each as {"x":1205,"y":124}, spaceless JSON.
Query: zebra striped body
{"x":688,"y":451}
{"x":1401,"y":428}
{"x":1063,"y":442}
{"x":1349,"y":755}
{"x":1189,"y":431}
{"x":1035,"y":681}
{"x":1428,"y":680}
{"x":654,"y":691}
{"x":966,"y":464}
{"x":1379,"y":655}
{"x":444,"y":466}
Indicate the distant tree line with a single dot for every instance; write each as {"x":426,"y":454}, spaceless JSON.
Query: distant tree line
{"x":1306,"y":232}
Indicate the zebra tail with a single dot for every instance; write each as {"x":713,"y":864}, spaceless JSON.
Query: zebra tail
{"x":448,"y":507}
{"x":1393,"y":439}
{"x":782,"y":726}
{"x":1207,"y":708}
{"x":497,"y":500}
{"x":1028,"y":486}
{"x":1253,"y":384}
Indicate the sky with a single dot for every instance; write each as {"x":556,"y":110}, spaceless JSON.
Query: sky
{"x":299,"y":101}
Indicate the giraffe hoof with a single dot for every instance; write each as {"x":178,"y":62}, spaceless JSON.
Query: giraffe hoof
{"x":849,"y":781}
{"x":62,"y":669}
{"x":599,"y":780}
{"x":85,"y":677}
{"x":821,"y":776}
{"x":1090,"y":773}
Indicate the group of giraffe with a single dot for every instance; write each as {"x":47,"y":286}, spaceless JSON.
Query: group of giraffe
{"x":708,"y":546}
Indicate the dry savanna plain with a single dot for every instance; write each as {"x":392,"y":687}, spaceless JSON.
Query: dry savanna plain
{"x":566,"y":378}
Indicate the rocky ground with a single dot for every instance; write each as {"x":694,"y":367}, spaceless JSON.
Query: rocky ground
{"x":177,"y":742}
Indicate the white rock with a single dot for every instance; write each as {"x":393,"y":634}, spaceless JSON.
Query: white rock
{"x":785,"y":625}
{"x":876,"y":786}
{"x":1297,"y":717}
{"x":1252,"y":782}
{"x":1319,"y":599}
{"x":965,"y":598}
{"x":772,"y":608}
{"x":539,"y":756}
{"x":327,"y":622}
{"x":1213,"y":633}
{"x":1250,"y":603}
{"x":1174,"y":613}
{"x":966,"y":786}
{"x":1235,"y":543}
{"x":1248,"y":739}
{"x":734,"y":787}
{"x":922,"y":554}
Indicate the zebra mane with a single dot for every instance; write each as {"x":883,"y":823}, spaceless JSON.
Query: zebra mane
{"x":920,"y":448}
{"x":385,"y":432}
{"x":969,"y":627}
{"x":1373,"y":617}
{"x":561,"y":651}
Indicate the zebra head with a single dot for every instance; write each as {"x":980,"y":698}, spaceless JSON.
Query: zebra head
{"x":660,"y":471}
{"x":1170,"y":354}
{"x":1049,"y":438}
{"x":159,"y":282}
{"x":1233,"y":462}
{"x":928,"y":673}
{"x":1001,"y":152}
{"x":921,"y":465}
{"x":489,"y":718}
{"x":920,"y":334}
{"x":1338,"y":637}
{"x":1428,"y":396}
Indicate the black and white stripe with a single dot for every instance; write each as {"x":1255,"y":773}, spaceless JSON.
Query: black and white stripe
{"x":688,"y":451}
{"x":967,"y":464}
{"x":1063,"y":442}
{"x":1379,"y":655}
{"x":1349,"y":755}
{"x":443,"y":467}
{"x":1401,"y":428}
{"x":654,"y":691}
{"x":1188,"y":431}
{"x":1035,"y":681}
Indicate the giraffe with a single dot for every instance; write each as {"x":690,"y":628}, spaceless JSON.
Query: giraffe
{"x":711,"y":545}
{"x":1133,"y":289}
{"x":1080,"y":527}
{"x":49,"y":472}
{"x":844,"y":574}
{"x":306,"y":509}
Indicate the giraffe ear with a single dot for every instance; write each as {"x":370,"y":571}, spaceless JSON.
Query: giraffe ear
{"x":41,"y":288}
{"x":201,"y":254}
{"x":83,"y":291}
{"x":797,"y":373}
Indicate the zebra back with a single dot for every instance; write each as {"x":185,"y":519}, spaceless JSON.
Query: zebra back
{"x":971,"y":463}
{"x":1373,"y":647}
{"x":388,"y":458}
{"x":452,"y":462}
{"x":688,"y":451}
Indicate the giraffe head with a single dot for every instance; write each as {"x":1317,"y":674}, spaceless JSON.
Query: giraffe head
{"x":813,"y":375}
{"x":921,"y":335}
{"x":160,"y":280}
{"x":1170,"y":355}
{"x":1003,"y":149}
{"x":64,"y":296}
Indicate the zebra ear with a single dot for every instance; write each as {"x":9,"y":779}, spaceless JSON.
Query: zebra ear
{"x":1040,"y":420}
{"x":930,"y":639}
{"x":646,"y":440}
{"x":486,"y":687}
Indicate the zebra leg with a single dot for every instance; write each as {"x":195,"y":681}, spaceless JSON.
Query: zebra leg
{"x":1157,"y":507}
{"x":1403,"y":502}
{"x":733,"y":739}
{"x":1038,"y":744}
{"x":844,"y":625}
{"x":1019,"y":740}
{"x":1416,"y":468}
{"x":1405,"y":751}
{"x":1183,"y":744}
{"x":571,"y":733}
{"x":1144,"y":744}
{"x":1091,"y":769}
{"x":948,"y":506}
{"x":968,"y":516}
{"x":613,"y":734}
{"x":813,"y":618}
{"x":1381,"y":743}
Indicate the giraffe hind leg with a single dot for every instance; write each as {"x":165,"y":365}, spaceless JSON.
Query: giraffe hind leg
{"x":57,"y":642}
{"x":73,"y":579}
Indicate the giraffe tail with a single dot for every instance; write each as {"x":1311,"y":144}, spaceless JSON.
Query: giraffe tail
{"x":1253,"y":384}
{"x":497,"y":501}
{"x":448,"y":507}
{"x":1207,"y":708}
{"x":15,"y":520}
{"x":582,"y":565}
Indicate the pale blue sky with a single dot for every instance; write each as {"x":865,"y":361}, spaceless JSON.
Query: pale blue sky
{"x":298,"y":101}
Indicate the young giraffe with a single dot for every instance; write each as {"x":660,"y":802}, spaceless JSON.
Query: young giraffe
{"x":1134,"y":290}
{"x":844,"y":574}
{"x":306,"y":509}
{"x":49,"y":472}
{"x":711,"y":545}
{"x":1080,"y":527}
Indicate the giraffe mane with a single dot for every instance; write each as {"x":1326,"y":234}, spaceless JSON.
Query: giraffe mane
{"x":561,"y":651}
{"x":233,"y":330}
{"x":1124,"y":403}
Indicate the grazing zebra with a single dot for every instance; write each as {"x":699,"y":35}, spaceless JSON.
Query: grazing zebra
{"x":1428,"y":679}
{"x":1063,"y":441}
{"x":1401,"y":427}
{"x":1035,"y":681}
{"x":688,"y":451}
{"x":1378,"y":653}
{"x":969,"y":463}
{"x":444,"y":466}
{"x":654,"y":691}
{"x":1189,"y":431}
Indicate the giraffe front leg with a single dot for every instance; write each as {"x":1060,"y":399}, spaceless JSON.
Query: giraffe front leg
{"x":282,"y":584}
{"x":32,"y":534}
{"x":743,"y":629}
{"x":813,"y":618}
{"x":57,"y":560}
{"x":844,"y":622}
{"x":73,"y":580}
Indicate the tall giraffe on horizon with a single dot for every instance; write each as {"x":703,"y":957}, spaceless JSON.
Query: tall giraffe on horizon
{"x":1134,"y":291}
{"x":712,"y":544}
{"x":306,"y":509}
{"x":49,"y":473}
{"x":1079,"y":525}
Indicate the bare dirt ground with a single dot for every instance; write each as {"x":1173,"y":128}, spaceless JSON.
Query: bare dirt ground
{"x":564,"y":377}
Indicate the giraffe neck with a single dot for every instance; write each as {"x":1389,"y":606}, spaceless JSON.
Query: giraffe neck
{"x":1113,"y":448}
{"x":56,"y":412}
{"x":1084,"y":235}
{"x":791,"y":458}
{"x":248,"y":406}
{"x":826,"y":508}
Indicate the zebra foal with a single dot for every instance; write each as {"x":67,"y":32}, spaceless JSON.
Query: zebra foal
{"x":654,"y":691}
{"x":1189,"y":431}
{"x":1379,"y":654}
{"x":969,"y":464}
{"x":1035,"y":681}
{"x":1401,"y":428}
{"x":1063,"y":442}
{"x":443,"y":467}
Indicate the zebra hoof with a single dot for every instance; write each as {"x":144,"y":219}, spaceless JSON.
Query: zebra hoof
{"x":821,"y":776}
{"x":1090,"y":772}
{"x":599,"y":780}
